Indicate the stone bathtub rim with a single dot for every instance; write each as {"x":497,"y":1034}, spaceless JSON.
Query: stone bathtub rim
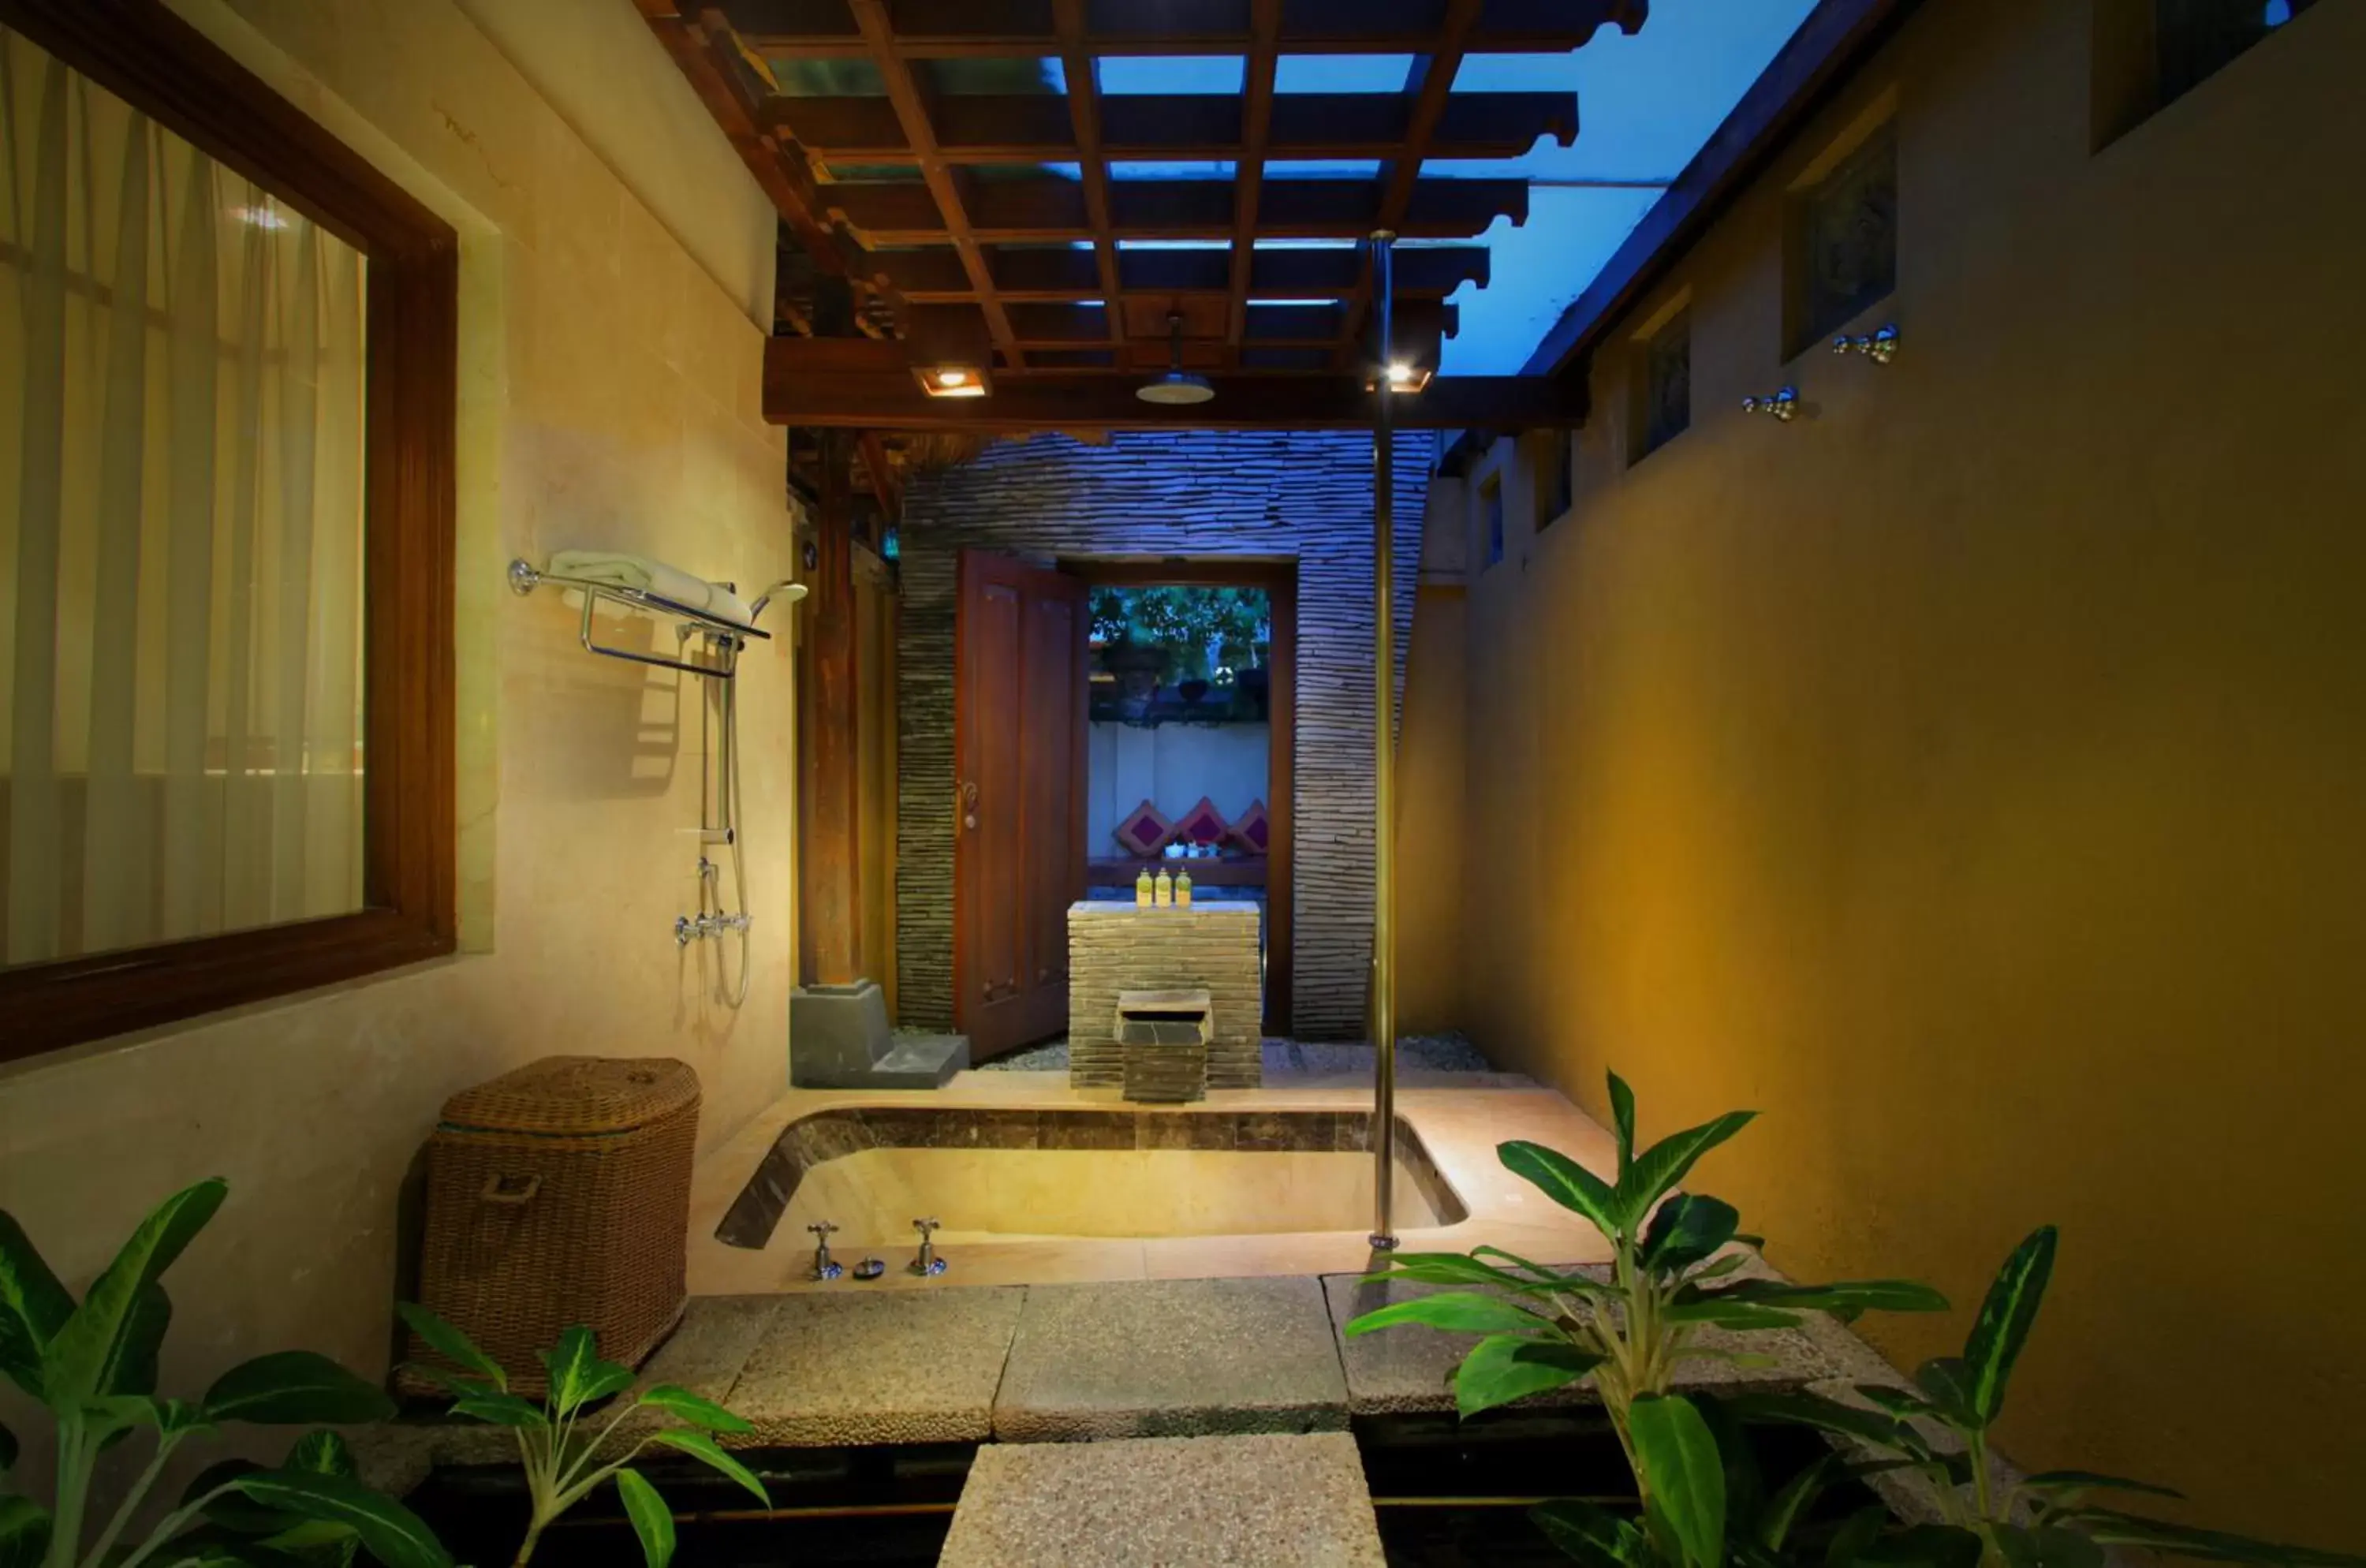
{"x":835,"y":1132}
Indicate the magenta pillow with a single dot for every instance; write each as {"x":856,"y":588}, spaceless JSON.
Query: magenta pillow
{"x":1251,"y":830}
{"x":1144,"y":830}
{"x":1204,"y":823}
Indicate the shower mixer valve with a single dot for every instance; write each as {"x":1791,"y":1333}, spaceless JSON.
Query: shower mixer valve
{"x":927,"y":1263}
{"x":825,"y":1267}
{"x":688,"y":929}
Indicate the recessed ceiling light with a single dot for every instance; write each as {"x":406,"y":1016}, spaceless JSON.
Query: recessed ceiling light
{"x":953,"y":381}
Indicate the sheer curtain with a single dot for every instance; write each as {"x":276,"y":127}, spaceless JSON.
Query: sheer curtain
{"x":180,"y":536}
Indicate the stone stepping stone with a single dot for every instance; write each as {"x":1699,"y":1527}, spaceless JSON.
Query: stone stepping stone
{"x":1171,"y":1358}
{"x":1260,"y":1500}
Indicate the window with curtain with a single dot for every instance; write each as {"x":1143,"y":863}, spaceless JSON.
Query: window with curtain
{"x":217,"y":508}
{"x":181,"y":738}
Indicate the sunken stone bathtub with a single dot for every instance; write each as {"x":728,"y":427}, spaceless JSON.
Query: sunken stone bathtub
{"x":1033,"y":1175}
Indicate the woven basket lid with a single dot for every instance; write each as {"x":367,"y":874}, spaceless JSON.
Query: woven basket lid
{"x":575,"y":1097}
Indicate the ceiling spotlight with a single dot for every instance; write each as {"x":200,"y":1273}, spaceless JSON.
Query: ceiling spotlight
{"x":953,"y":381}
{"x":1403,"y":378}
{"x":1178,"y":386}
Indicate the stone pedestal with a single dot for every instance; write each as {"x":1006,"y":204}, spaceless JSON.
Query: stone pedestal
{"x":1115,"y":947}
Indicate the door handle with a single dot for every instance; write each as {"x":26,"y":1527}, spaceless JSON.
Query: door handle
{"x":969,"y":804}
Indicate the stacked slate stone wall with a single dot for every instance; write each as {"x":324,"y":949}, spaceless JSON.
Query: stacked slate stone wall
{"x":1115,"y":947}
{"x":1305,"y":496}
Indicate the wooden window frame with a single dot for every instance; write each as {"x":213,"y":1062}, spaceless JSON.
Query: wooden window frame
{"x":152,"y":60}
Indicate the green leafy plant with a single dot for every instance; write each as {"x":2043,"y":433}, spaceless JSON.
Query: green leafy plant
{"x":565,"y":1459}
{"x":92,"y":1365}
{"x":2046,"y":1521}
{"x":1669,"y":1280}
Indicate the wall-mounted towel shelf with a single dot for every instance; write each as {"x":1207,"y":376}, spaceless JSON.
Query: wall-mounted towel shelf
{"x":725,"y":638}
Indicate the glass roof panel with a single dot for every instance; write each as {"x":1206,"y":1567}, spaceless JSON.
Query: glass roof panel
{"x":1205,"y":169}
{"x":1341,"y":72}
{"x":1018,"y":76}
{"x":1323,"y":168}
{"x":1167,"y":74}
{"x":804,"y":78}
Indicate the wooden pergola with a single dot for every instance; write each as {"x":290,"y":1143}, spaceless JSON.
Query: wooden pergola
{"x":955,"y":166}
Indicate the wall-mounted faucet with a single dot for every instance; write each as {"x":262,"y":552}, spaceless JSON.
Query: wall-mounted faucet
{"x":688,"y":929}
{"x":825,"y":1267}
{"x":1881,"y":347}
{"x":1784,"y":406}
{"x":927,"y":1262}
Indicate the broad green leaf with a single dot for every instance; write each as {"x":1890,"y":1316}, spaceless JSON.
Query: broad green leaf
{"x":24,"y":1533}
{"x":392,"y":1533}
{"x":1948,"y":1381}
{"x":501,"y":1410}
{"x":1726,"y":1313}
{"x":33,"y":1307}
{"x":320,"y":1454}
{"x":2071,"y":1480}
{"x":1622,"y":1115}
{"x":108,"y":1345}
{"x":570,"y":1366}
{"x":2004,"y":1322}
{"x":1564,"y":1182}
{"x":1575,"y":1284}
{"x":456,"y":1384}
{"x":1658,"y":1168}
{"x":1797,"y":1498}
{"x":1857,"y":1533}
{"x":2046,"y":1547}
{"x":1881,"y":1431}
{"x":1455,"y":1269}
{"x":605,"y":1378}
{"x":171,"y":1418}
{"x":293,"y":1387}
{"x":652,"y":1521}
{"x":1457,"y":1311}
{"x":1745,"y":1481}
{"x":233,"y":1511}
{"x":1861,"y":1295}
{"x":688,"y":1406}
{"x":451,"y":1344}
{"x":1926,"y":1546}
{"x":2110,"y":1528}
{"x":1505,"y":1367}
{"x":1897,"y":1401}
{"x":1684,"y":1472}
{"x":1718,"y":1270}
{"x":699,"y":1445}
{"x":1594,"y":1536}
{"x":1687,"y":1228}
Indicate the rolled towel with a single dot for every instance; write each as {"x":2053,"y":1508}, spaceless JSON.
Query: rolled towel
{"x":725,"y":605}
{"x":639,"y":572}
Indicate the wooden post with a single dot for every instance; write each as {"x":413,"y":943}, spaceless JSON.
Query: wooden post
{"x":828,"y":887}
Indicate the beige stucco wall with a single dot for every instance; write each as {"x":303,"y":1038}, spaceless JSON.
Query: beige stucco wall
{"x":1432,"y":813}
{"x":609,"y":398}
{"x":1967,"y":774}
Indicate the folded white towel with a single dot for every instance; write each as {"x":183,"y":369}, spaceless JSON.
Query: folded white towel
{"x":653,"y":577}
{"x":725,"y":605}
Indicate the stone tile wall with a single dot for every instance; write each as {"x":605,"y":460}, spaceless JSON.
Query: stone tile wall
{"x":1305,"y":496}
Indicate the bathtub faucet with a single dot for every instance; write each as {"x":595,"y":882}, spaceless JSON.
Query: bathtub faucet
{"x":927,"y":1262}
{"x":825,"y":1267}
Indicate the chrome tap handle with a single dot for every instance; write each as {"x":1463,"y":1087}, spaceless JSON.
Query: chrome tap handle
{"x":825,"y":1267}
{"x":927,"y":1262}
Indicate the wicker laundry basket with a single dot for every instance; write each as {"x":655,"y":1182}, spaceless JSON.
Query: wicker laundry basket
{"x":559,"y":1194}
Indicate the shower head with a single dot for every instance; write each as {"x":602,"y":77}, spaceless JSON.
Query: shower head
{"x":791,"y":592}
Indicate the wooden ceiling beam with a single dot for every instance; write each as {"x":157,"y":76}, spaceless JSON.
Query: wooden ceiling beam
{"x":1428,"y":87}
{"x":935,"y":276}
{"x":1010,"y":129}
{"x":1081,"y":72}
{"x":1021,"y":211}
{"x":937,"y":179}
{"x":796,"y":393}
{"x":951,"y":30}
{"x":1257,"y":127}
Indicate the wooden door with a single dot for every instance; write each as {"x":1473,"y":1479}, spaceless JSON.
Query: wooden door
{"x":1019,"y":776}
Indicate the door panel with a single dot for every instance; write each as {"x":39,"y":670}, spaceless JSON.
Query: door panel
{"x":1019,"y":752}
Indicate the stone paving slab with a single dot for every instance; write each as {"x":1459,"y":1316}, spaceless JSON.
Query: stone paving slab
{"x":1171,"y":1358}
{"x":1254,"y":1501}
{"x":909,"y":1367}
{"x":1404,"y":1370}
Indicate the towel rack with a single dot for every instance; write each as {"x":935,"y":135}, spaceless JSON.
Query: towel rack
{"x":723,"y":638}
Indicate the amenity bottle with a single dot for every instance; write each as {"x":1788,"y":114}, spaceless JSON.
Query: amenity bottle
{"x":1166,"y":888}
{"x":1143,"y":893}
{"x":1183,"y":891}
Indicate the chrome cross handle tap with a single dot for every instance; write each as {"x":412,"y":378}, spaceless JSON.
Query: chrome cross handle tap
{"x":825,"y":1267}
{"x":1783,"y":406}
{"x":1881,"y":347}
{"x":927,"y":1262}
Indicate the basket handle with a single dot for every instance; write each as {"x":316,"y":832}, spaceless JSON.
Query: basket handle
{"x":498,"y":1191}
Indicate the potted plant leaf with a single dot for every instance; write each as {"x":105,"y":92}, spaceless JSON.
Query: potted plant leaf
{"x":92,"y":1365}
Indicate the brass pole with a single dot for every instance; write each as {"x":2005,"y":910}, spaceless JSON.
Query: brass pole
{"x":1384,"y":663}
